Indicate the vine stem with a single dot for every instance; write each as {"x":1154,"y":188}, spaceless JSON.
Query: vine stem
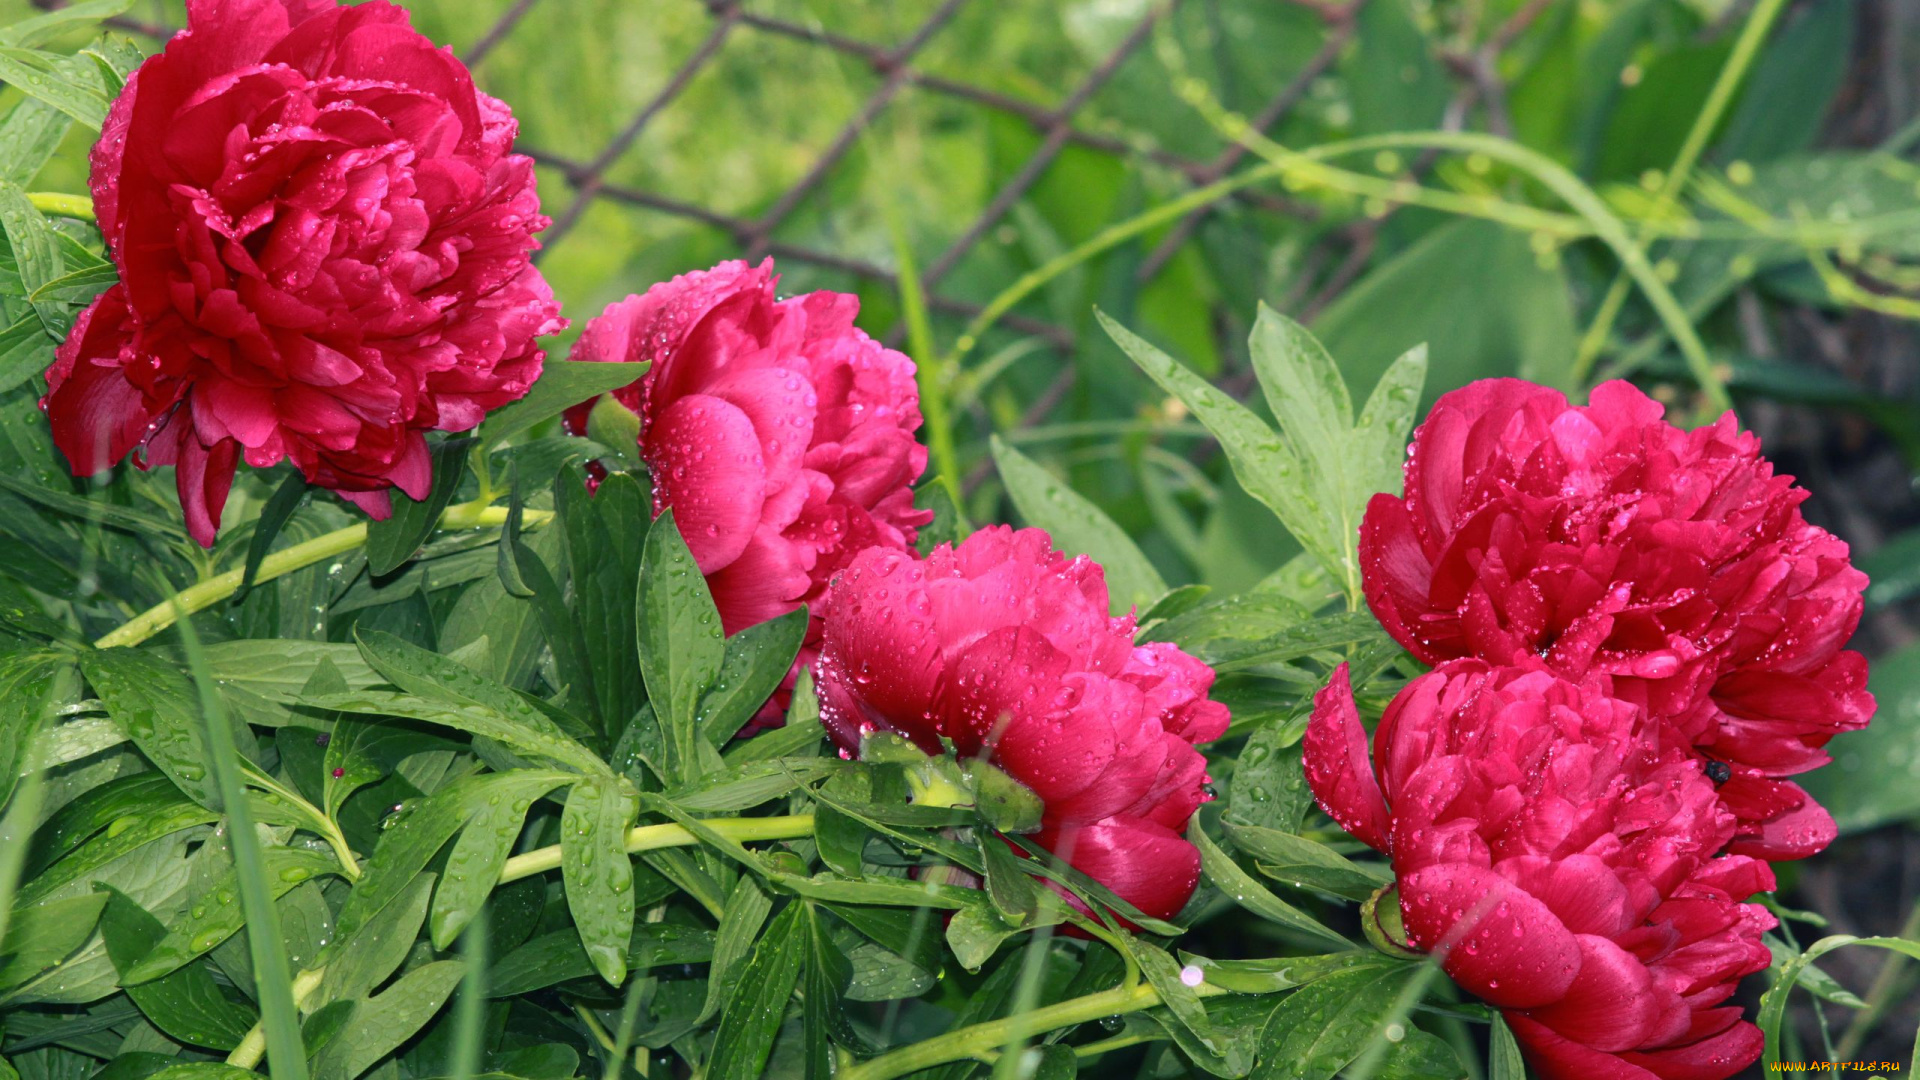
{"x":1752,"y":35}
{"x":205,"y":594}
{"x":981,"y":1042}
{"x":61,"y":205}
{"x":254,"y":1046}
{"x":654,"y":837}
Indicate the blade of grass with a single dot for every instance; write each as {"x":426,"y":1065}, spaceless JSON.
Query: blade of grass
{"x":286,"y":1054}
{"x":470,"y":1010}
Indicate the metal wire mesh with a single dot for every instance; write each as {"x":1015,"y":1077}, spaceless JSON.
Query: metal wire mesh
{"x":1475,"y":72}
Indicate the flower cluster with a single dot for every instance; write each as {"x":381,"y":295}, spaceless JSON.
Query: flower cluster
{"x":1003,"y":647}
{"x":323,"y":240}
{"x":1638,"y":638}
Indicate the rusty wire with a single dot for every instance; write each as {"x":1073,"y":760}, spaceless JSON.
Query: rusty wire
{"x":1058,"y":126}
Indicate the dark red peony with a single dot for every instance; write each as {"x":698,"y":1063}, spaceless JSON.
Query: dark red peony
{"x":1609,"y":542}
{"x":781,"y":436}
{"x":1560,"y":865}
{"x":1003,"y":646}
{"x":324,"y":250}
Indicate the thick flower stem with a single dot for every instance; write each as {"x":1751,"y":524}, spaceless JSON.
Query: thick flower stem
{"x":981,"y":1041}
{"x":61,"y":205}
{"x":205,"y":594}
{"x":654,"y":837}
{"x":254,"y":1046}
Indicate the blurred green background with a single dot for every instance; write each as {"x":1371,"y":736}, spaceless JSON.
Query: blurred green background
{"x":1026,"y":127}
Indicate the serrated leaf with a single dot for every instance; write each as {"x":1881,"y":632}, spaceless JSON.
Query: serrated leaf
{"x":392,"y":542}
{"x":681,"y":645}
{"x":1078,"y":526}
{"x":598,"y":874}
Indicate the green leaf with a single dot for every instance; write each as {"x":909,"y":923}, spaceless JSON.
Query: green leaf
{"x":155,"y":704}
{"x":598,"y":874}
{"x":606,"y":536}
{"x":474,"y":864}
{"x":562,"y":385}
{"x":360,"y":752}
{"x":976,"y":932}
{"x":29,"y":135}
{"x":42,"y":75}
{"x":1078,"y":526}
{"x":752,"y":783}
{"x":1304,"y":864}
{"x":381,"y":1023}
{"x":559,"y":957}
{"x":39,"y":29}
{"x":1164,"y":972}
{"x":417,"y":833}
{"x":40,"y":936}
{"x":466,"y":699}
{"x":36,"y":252}
{"x":681,"y":646}
{"x":215,"y":913}
{"x":266,"y":528}
{"x":188,"y":1004}
{"x":747,"y":909}
{"x":76,"y":288}
{"x":758,"y":1008}
{"x":828,"y":974}
{"x":1503,"y":1053}
{"x":1269,"y":786}
{"x":392,"y":542}
{"x":26,"y":350}
{"x":1227,"y":875}
{"x":1773,"y":1003}
{"x":1320,"y":1028}
{"x":377,"y":948}
{"x":756,"y":660}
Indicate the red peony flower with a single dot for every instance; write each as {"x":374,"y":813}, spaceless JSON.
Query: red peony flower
{"x":781,"y":435}
{"x":1003,"y":646}
{"x":323,"y":244}
{"x":1607,"y":541}
{"x":1561,"y":866}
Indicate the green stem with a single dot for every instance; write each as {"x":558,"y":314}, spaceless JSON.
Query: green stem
{"x":654,"y":837}
{"x":981,"y":1042}
{"x":254,"y":1045}
{"x":205,"y":594}
{"x":1752,"y":36}
{"x":1880,"y":995}
{"x":53,"y":202}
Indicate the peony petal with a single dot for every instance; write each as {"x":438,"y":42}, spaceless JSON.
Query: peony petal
{"x":1334,"y":754}
{"x":706,"y":465}
{"x":1146,"y":864}
{"x":1494,"y":940}
{"x":1613,"y":1005}
{"x":1555,"y":1057}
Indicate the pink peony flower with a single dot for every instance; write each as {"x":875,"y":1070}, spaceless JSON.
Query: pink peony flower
{"x":1606,"y":541}
{"x":1003,"y":646}
{"x":323,"y":243}
{"x":781,"y":435}
{"x":1561,"y":866}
